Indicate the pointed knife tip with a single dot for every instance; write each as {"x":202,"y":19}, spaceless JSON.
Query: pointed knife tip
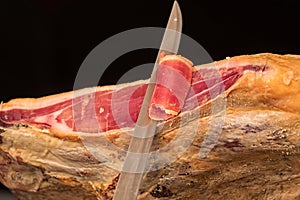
{"x":178,"y":10}
{"x":176,"y":3}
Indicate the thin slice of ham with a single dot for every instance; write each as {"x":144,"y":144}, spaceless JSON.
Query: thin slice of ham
{"x":100,"y":109}
{"x":174,"y":76}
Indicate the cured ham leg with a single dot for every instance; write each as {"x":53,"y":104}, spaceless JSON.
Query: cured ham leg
{"x":113,"y":107}
{"x":256,"y":156}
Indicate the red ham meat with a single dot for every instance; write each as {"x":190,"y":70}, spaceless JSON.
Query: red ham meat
{"x":174,"y":76}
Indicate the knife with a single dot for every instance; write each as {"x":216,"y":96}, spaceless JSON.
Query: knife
{"x":137,"y":156}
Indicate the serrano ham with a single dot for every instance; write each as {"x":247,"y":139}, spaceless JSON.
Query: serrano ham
{"x":113,"y":107}
{"x":256,"y":156}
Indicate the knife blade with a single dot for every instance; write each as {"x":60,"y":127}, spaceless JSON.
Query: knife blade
{"x":136,"y":159}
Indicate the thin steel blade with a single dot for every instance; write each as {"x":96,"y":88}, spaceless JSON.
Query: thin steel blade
{"x":171,"y":39}
{"x":137,"y":156}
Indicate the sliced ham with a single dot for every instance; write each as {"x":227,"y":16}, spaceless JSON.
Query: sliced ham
{"x":101,"y":109}
{"x":174,"y":76}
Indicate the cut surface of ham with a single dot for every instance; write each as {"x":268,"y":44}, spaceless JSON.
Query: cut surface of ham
{"x":101,"y":109}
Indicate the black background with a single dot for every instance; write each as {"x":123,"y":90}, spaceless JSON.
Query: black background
{"x":46,"y":40}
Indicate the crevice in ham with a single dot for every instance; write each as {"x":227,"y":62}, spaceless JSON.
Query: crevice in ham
{"x":108,"y":108}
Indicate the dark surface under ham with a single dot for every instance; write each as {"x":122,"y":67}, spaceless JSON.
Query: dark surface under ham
{"x":108,"y":109}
